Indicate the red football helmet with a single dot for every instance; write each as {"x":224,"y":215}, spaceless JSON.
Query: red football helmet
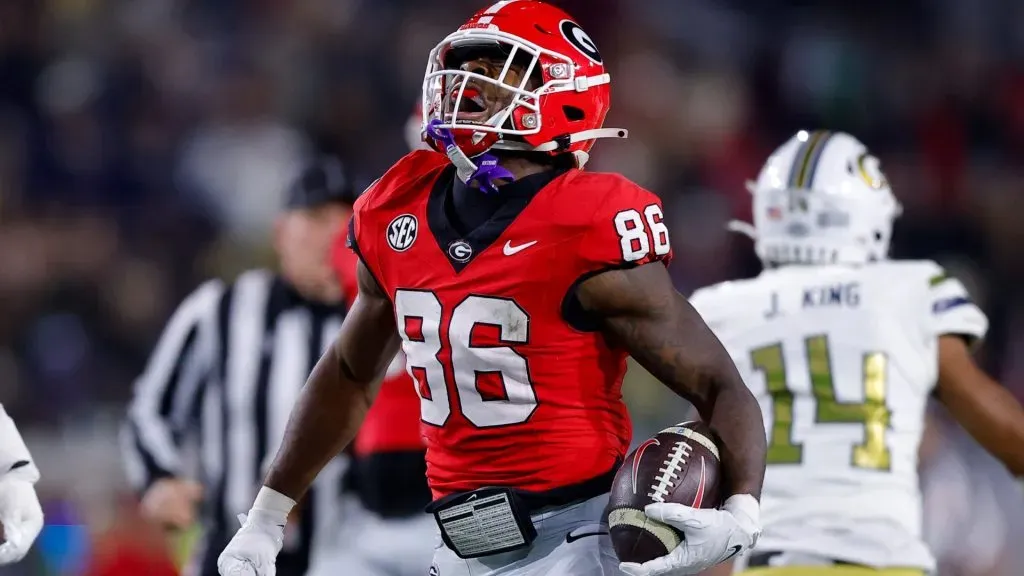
{"x":562,"y":113}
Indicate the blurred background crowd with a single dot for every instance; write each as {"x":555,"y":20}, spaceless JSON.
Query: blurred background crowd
{"x":145,"y":145}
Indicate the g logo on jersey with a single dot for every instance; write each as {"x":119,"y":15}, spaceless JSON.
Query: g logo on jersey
{"x":580,"y":40}
{"x":402,"y":232}
{"x":460,"y":251}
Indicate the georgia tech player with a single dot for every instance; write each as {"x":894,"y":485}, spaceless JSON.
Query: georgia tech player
{"x":20,"y":513}
{"x":843,"y":347}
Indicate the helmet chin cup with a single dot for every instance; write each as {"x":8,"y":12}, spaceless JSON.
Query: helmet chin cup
{"x":443,"y":140}
{"x":483,"y":173}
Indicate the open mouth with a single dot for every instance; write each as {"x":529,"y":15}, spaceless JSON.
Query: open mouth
{"x":472,"y":106}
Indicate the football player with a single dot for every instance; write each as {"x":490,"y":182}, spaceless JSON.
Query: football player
{"x":21,"y":516}
{"x":517,"y":284}
{"x":843,"y":347}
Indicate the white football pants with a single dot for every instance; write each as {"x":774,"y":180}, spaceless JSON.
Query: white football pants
{"x":571,"y":541}
{"x":373,"y":546}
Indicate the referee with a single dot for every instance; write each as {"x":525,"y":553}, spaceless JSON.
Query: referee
{"x":226,"y":371}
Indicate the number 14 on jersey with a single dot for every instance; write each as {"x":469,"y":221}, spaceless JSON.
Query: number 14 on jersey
{"x":872,"y":413}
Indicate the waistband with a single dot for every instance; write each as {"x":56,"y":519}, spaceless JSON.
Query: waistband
{"x":540,"y":502}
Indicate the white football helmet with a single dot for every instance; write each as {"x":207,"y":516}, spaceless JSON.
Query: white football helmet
{"x":821,"y":199}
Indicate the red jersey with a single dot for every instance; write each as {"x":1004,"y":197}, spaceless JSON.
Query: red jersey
{"x":392,"y":424}
{"x":514,"y":389}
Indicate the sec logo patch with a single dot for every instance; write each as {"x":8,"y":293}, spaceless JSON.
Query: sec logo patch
{"x":401,"y":232}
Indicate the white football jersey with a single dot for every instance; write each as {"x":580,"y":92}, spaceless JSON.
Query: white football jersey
{"x":842,"y":360}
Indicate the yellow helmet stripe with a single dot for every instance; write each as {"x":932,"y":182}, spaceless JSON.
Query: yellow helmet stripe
{"x":814,"y":158}
{"x":806,"y":160}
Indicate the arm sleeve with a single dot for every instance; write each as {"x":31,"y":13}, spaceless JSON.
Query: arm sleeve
{"x":15,"y":459}
{"x":952,"y":311}
{"x":165,"y":393}
{"x":628,"y":229}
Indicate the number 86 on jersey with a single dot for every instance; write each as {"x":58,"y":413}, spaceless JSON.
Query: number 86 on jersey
{"x":637,"y":233}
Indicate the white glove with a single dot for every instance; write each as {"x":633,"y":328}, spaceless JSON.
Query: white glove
{"x":253,"y":549}
{"x":20,"y":512}
{"x":710,"y":536}
{"x":21,"y":516}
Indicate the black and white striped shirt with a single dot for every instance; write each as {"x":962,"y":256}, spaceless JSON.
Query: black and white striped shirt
{"x":226,"y":372}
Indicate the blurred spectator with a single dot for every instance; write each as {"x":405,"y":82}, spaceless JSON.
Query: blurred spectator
{"x":130,"y":547}
{"x":241,"y":157}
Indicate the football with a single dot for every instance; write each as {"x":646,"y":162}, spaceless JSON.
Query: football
{"x":679,"y":465}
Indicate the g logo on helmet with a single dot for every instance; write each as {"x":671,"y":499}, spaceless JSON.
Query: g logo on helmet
{"x":460,"y":251}
{"x":401,"y":232}
{"x":580,"y":40}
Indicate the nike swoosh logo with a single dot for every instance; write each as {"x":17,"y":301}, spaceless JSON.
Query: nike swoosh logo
{"x":640,"y":454}
{"x":732,"y":552}
{"x":570,"y":537}
{"x":509,"y":249}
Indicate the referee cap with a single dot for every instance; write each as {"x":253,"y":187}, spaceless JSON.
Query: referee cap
{"x":322,"y":182}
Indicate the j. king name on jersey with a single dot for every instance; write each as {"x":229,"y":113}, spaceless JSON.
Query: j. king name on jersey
{"x":832,"y":295}
{"x":839,"y":295}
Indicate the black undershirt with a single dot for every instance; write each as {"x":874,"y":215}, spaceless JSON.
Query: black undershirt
{"x":464,"y":212}
{"x":469,"y":208}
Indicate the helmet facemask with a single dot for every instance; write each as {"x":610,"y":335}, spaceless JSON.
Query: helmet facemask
{"x":483,"y":91}
{"x":488,"y":85}
{"x":482,"y":86}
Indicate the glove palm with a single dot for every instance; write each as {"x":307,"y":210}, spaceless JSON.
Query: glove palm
{"x":710,"y":536}
{"x":21,"y":516}
{"x":253,"y":549}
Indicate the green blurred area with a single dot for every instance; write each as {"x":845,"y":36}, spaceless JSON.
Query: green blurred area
{"x":183,"y":544}
{"x":652,"y":405}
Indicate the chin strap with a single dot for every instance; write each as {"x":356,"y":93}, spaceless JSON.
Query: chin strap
{"x":741,"y":227}
{"x":483,"y":174}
